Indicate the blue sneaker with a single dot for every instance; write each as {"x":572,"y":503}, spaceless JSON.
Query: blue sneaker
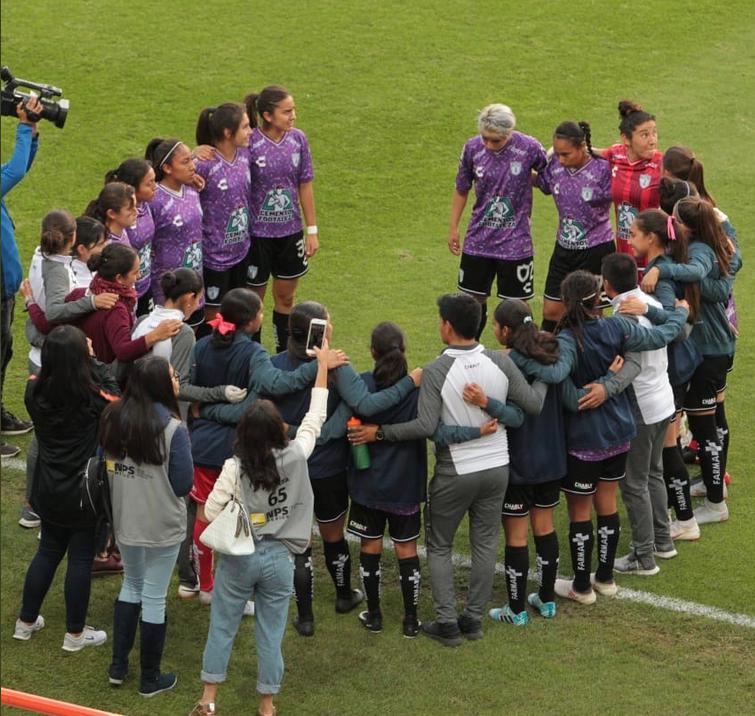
{"x":546,"y":609}
{"x":504,"y":614}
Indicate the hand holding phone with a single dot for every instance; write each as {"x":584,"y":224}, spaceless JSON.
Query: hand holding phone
{"x":316,"y":334}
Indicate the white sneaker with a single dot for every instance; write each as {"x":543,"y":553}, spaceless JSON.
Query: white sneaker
{"x":630,"y":564}
{"x":665,"y":553}
{"x":685,"y":530}
{"x":249,"y":609}
{"x":698,"y":489}
{"x":605,"y":589}
{"x":205,"y":598}
{"x":565,"y":589}
{"x":23,"y":631}
{"x":711,"y":512}
{"x":89,"y":637}
{"x":187,"y":592}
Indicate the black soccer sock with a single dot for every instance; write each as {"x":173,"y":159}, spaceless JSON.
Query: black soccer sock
{"x":280,"y":330}
{"x":703,"y":428}
{"x":369,"y":568}
{"x":722,"y":426}
{"x":676,"y":477}
{"x":483,"y":320}
{"x":516,"y":563}
{"x":410,"y":578}
{"x":608,"y":541}
{"x":304,"y":584}
{"x":338,"y":561}
{"x":581,"y":540}
{"x":546,"y":547}
{"x":548,"y":325}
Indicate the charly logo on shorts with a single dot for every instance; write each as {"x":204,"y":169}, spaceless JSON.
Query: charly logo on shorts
{"x":587,"y":193}
{"x":499,"y":213}
{"x":645,"y":180}
{"x":516,"y":168}
{"x":295,"y":158}
{"x":213,"y":292}
{"x":278,"y":206}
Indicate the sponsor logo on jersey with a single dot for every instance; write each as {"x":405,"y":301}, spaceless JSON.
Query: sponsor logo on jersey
{"x":193,"y":256}
{"x":499,"y":213}
{"x":587,"y":193}
{"x":479,"y":172}
{"x":516,"y":168}
{"x":237,"y":228}
{"x":213,"y":292}
{"x":625,"y":218}
{"x":261,"y":162}
{"x":572,"y":234}
{"x":223,"y":184}
{"x":295,"y":158}
{"x":277,"y":206}
{"x":145,"y":259}
{"x":556,"y":189}
{"x":645,"y":180}
{"x":178,"y":221}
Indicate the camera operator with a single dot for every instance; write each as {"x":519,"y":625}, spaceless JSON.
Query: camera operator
{"x":13,"y":172}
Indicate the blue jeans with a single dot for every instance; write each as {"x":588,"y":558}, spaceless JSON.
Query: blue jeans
{"x":267,"y":576}
{"x":146,"y":576}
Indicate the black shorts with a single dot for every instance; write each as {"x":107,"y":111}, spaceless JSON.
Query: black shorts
{"x":520,"y":499}
{"x":516,"y":279}
{"x":331,"y":497}
{"x":707,"y":381}
{"x":565,"y":261}
{"x":679,"y":391}
{"x":284,"y":257}
{"x":144,"y":305}
{"x":582,"y":476}
{"x":218,"y":283}
{"x":369,"y":523}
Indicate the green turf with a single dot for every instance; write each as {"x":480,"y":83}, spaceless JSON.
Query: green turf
{"x":387,"y":93}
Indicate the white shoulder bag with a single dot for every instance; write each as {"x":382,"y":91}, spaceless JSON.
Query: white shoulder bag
{"x":230,"y":532}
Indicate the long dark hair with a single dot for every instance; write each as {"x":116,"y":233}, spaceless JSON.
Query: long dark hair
{"x":655,"y":221}
{"x":298,"y":326}
{"x":213,"y":121}
{"x":525,"y":336}
{"x":576,"y":133}
{"x":131,"y":426}
{"x":266,"y":101}
{"x":160,"y":152}
{"x":179,"y":282}
{"x":116,"y":259}
{"x":130,"y":171}
{"x":65,"y":380}
{"x":239,"y":306}
{"x":682,"y":163}
{"x":259,"y":432}
{"x":672,"y":190}
{"x":58,"y":228}
{"x":389,"y":350}
{"x":700,"y":218}
{"x":89,"y":233}
{"x":580,"y":293}
{"x":114,"y":196}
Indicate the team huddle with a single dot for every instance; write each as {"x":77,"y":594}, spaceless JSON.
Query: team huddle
{"x":145,"y":320}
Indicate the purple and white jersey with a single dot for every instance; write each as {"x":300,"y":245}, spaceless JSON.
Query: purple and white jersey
{"x":225,"y":204}
{"x":499,"y":227}
{"x":178,"y":234}
{"x":118,"y":238}
{"x":140,"y":237}
{"x":583,"y":199}
{"x":277,"y":170}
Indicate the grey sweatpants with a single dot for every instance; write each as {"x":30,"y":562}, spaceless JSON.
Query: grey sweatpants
{"x":644,"y":491}
{"x":450,"y":497}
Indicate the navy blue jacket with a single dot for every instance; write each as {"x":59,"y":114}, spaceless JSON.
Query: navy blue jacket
{"x":398,"y":470}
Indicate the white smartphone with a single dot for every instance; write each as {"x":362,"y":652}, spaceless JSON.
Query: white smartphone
{"x":316,"y":335}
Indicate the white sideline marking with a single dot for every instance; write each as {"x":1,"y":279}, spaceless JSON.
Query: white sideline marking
{"x":630,"y":595}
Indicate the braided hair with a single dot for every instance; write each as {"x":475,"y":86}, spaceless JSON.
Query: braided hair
{"x":580,"y":293}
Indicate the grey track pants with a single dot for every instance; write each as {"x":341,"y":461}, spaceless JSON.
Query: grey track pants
{"x":644,"y":491}
{"x":450,"y":498}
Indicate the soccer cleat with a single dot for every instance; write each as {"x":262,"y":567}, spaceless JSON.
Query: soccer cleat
{"x":372,"y":621}
{"x":711,"y":512}
{"x":346,"y":604}
{"x":29,"y":519}
{"x":665,"y":552}
{"x":446,"y":633}
{"x":605,"y":589}
{"x":727,"y":479}
{"x":89,"y":637}
{"x":506,"y":615}
{"x":188,"y":591}
{"x":547,"y":609}
{"x":698,"y":489}
{"x":23,"y":631}
{"x":11,"y":425}
{"x":471,"y":629}
{"x":685,"y":530}
{"x":411,"y":627}
{"x":630,"y":564}
{"x":304,"y":627}
{"x":8,"y":451}
{"x":565,"y":589}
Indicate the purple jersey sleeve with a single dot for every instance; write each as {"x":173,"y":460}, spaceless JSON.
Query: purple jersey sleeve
{"x":140,"y":237}
{"x":465,"y":175}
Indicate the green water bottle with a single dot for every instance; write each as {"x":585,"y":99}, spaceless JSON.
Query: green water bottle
{"x":359,"y":453}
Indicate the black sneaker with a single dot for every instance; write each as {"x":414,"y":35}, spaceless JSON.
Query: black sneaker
{"x":411,"y":627}
{"x":470,"y":628}
{"x":446,"y":633}
{"x":346,"y":604}
{"x":11,"y":425}
{"x":8,"y":451}
{"x":372,"y":621}
{"x":305,"y":627}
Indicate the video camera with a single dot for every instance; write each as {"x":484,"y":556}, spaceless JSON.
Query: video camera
{"x":52,"y":110}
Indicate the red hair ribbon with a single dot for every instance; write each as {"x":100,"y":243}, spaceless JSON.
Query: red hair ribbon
{"x":222,"y":326}
{"x":670,"y":228}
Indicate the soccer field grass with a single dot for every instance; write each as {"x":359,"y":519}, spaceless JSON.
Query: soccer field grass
{"x":387,"y":94}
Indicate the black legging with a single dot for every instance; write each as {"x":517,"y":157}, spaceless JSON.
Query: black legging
{"x":53,"y":544}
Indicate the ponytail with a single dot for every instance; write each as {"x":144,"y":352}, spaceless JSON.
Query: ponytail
{"x":160,"y":152}
{"x":238,"y":307}
{"x":114,"y":196}
{"x":266,"y":101}
{"x":525,"y":336}
{"x":175,"y":284}
{"x":213,"y":121}
{"x":116,"y":259}
{"x":389,"y":350}
{"x":700,"y":218}
{"x":131,"y":171}
{"x":58,"y":229}
{"x":576,"y":133}
{"x":672,"y":190}
{"x":580,"y":294}
{"x":681,"y":163}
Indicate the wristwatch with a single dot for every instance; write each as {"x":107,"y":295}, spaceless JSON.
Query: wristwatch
{"x":379,"y":434}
